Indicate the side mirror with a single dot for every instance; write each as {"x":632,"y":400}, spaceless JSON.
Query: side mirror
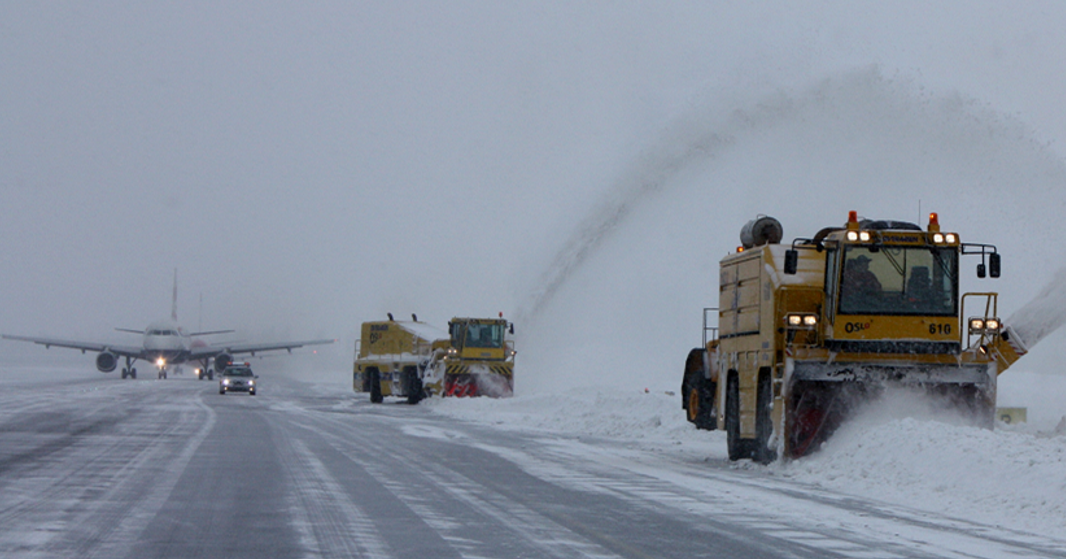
{"x":981,"y":270}
{"x":993,"y":264}
{"x":512,"y":328}
{"x":791,"y":261}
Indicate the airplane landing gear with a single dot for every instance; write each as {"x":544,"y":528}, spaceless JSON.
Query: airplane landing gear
{"x":127,"y":371}
{"x":162,"y":374}
{"x":204,"y":372}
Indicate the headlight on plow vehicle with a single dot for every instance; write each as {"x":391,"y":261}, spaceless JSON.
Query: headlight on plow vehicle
{"x":799,"y":321}
{"x":984,"y":325}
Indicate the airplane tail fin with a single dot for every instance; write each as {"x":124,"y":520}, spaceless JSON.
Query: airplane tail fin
{"x":174,"y":300}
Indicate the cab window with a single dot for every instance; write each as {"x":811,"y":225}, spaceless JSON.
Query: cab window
{"x":898,"y":280}
{"x":484,"y":335}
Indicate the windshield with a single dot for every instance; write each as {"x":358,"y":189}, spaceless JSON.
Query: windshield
{"x":899,"y":280}
{"x":242,"y":372}
{"x":484,"y":335}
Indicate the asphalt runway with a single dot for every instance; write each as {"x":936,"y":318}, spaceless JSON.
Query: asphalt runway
{"x":93,"y":466}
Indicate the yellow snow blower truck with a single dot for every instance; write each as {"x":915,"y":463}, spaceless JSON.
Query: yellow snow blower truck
{"x":414,"y":360}
{"x":809,"y":332}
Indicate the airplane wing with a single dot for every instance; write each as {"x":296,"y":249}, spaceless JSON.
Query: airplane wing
{"x":233,"y":349}
{"x":123,"y":350}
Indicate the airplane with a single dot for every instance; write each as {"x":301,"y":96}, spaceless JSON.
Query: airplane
{"x":166,"y":344}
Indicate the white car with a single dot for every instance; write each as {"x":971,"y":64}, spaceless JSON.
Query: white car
{"x":237,"y":378}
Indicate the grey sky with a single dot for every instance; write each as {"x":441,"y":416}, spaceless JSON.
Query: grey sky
{"x":308,"y":167}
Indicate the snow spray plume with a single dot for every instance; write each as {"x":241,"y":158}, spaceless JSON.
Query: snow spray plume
{"x":692,"y":138}
{"x":1044,"y":314}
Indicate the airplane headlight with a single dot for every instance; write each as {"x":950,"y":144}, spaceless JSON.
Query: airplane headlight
{"x":853,"y":235}
{"x":160,"y":362}
{"x":938,"y":238}
{"x":864,"y":236}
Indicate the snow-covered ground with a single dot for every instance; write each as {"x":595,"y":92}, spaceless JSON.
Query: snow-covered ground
{"x":1013,"y":476}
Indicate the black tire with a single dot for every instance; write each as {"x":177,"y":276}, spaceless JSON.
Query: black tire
{"x":697,"y":391}
{"x":375,"y":386}
{"x":698,"y":394}
{"x":222,"y":392}
{"x":738,"y":447}
{"x":764,"y":426}
{"x":251,"y":392}
{"x":412,"y":385}
{"x":210,"y":376}
{"x":133,"y":373}
{"x":125,"y":373}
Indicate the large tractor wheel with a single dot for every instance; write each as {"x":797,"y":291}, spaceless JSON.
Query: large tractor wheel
{"x":764,"y":427}
{"x":738,"y":447}
{"x":412,"y":385}
{"x":701,"y":410}
{"x":697,"y":392}
{"x":375,"y":386}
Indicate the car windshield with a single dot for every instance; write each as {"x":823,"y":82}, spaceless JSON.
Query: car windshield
{"x":242,"y":372}
{"x":899,"y":280}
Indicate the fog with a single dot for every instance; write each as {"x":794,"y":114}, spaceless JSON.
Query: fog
{"x":580,"y":168}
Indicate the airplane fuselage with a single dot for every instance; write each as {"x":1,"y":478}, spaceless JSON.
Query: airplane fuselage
{"x":165,"y":343}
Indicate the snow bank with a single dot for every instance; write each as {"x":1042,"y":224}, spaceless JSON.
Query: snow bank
{"x":615,"y":414}
{"x":1002,"y":477}
{"x":1013,"y":476}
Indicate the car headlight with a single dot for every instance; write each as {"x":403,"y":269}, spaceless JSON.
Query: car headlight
{"x":225,"y":381}
{"x":251,"y":383}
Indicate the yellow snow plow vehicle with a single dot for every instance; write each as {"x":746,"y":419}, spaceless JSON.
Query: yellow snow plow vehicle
{"x":415,"y":360}
{"x":806,"y":333}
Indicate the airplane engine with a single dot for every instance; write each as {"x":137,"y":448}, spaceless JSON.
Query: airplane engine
{"x":106,"y":361}
{"x":222,"y":361}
